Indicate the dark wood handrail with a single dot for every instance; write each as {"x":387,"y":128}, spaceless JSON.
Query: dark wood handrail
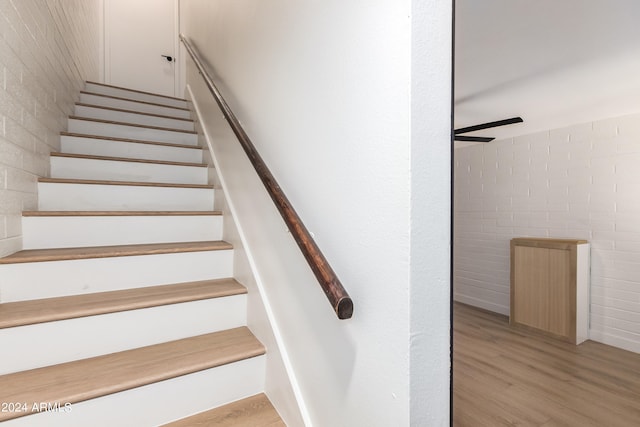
{"x":333,"y":289}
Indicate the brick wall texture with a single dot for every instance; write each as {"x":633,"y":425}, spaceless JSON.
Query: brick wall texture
{"x":47,"y":49}
{"x":577,"y":182}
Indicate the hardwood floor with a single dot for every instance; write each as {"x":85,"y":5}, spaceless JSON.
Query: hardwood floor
{"x":505,"y":376}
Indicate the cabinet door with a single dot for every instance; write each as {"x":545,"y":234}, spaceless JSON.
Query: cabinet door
{"x":531,"y":286}
{"x":550,"y":286}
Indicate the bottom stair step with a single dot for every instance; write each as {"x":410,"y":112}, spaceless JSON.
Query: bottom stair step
{"x":86,"y":379}
{"x":254,"y":411}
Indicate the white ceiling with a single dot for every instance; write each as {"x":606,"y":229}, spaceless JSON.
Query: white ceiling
{"x":552,"y":62}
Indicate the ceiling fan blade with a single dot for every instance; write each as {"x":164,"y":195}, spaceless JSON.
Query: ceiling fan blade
{"x":489,"y":125}
{"x":472,"y":138}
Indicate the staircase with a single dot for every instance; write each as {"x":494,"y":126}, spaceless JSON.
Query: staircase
{"x":122,"y":309}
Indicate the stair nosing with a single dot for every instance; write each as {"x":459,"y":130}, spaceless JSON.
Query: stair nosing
{"x":111,"y":122}
{"x":127,"y":159}
{"x":128,"y":140}
{"x":142,"y":113}
{"x":118,"y":213}
{"x":99,"y":376}
{"x":112,"y":251}
{"x":133,"y":100}
{"x":22,"y":313}
{"x":123,"y":183}
{"x":138,"y":91}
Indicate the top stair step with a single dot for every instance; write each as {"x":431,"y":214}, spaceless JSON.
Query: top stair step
{"x":131,"y":116}
{"x":128,"y":104}
{"x":136,"y":95}
{"x":124,"y":147}
{"x":108,"y":128}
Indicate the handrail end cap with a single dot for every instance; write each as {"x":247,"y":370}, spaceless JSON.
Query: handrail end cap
{"x":344,"y":308}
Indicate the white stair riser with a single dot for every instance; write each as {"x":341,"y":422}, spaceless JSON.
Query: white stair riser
{"x":135,"y":118}
{"x":105,"y":147}
{"x":44,"y":344}
{"x":81,"y":197}
{"x":124,"y":104}
{"x":124,"y":93}
{"x":161,"y":402}
{"x":37,"y":280}
{"x":80,"y":231}
{"x":131,"y":132}
{"x":111,"y":170}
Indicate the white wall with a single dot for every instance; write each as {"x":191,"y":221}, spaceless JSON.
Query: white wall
{"x":349,"y":105}
{"x":430,"y":264}
{"x":230,"y":170}
{"x":554,"y":63}
{"x":47,"y":49}
{"x":575,"y":182}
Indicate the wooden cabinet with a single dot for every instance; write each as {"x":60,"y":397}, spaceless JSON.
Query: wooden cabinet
{"x":550,"y":286}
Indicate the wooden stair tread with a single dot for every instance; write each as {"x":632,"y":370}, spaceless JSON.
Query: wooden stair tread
{"x":64,"y":254}
{"x":133,"y":100}
{"x":134,"y":141}
{"x":119,"y":213}
{"x":112,"y":122}
{"x":98,"y":376}
{"x":137,"y":91}
{"x":126,"y":159}
{"x":130,"y":183}
{"x":254,"y":411}
{"x":30,"y":312}
{"x":121,"y":110}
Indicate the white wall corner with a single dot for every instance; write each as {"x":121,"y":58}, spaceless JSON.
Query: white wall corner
{"x":285,"y":392}
{"x":430,"y":261}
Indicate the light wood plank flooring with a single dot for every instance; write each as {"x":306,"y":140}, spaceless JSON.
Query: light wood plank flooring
{"x":505,"y":376}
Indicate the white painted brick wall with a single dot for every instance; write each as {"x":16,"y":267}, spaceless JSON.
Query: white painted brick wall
{"x":48,"y":48}
{"x":577,"y":182}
